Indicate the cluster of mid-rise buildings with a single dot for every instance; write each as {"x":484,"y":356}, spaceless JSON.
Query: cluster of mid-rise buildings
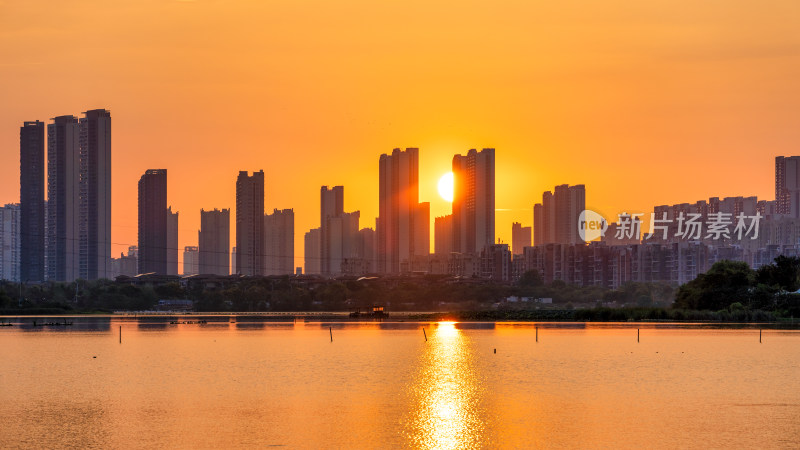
{"x":741,"y":228}
{"x":64,"y":232}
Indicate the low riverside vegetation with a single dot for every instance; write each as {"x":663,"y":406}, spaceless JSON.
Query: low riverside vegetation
{"x":603,"y":314}
{"x":729,"y":291}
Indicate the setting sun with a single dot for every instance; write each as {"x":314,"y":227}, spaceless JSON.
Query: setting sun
{"x":446,"y":186}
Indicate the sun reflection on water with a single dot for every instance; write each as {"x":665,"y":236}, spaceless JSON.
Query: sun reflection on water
{"x":446,"y":394}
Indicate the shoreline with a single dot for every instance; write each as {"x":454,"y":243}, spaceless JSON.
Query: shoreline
{"x":478,"y":317}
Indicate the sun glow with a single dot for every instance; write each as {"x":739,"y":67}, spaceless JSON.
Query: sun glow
{"x":446,"y":186}
{"x":448,"y":394}
{"x":446,"y":329}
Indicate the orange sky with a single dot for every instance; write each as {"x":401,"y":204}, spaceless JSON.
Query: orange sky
{"x":645,"y":102}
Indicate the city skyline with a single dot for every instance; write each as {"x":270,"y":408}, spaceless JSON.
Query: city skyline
{"x":502,"y":232}
{"x":340,"y":247}
{"x":65,"y":129}
{"x":596,"y":104}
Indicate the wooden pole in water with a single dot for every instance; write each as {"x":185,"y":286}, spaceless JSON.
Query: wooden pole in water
{"x":637,"y":335}
{"x":120,"y":334}
{"x":330,"y":329}
{"x":537,"y":334}
{"x":425,"y":334}
{"x":759,"y":335}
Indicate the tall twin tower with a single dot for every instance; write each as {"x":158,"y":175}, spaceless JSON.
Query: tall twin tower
{"x":403,"y":224}
{"x":70,"y":238}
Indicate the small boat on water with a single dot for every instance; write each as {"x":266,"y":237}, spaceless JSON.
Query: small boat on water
{"x":376,"y":313}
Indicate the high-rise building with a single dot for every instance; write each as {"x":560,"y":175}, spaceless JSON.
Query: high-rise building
{"x":312,"y":251}
{"x":556,"y":218}
{"x":403,"y":225}
{"x":338,"y":231}
{"x":63,"y":199}
{"x":95,"y":194}
{"x":366,"y":250}
{"x":191,"y":260}
{"x":548,"y":218}
{"x":767,"y":208}
{"x":443,"y":235}
{"x":214,"y":240}
{"x":520,"y":238}
{"x":787,"y":185}
{"x":422,"y":229}
{"x":10,"y":239}
{"x":331,"y":202}
{"x":473,"y":201}
{"x":31,"y":195}
{"x":153,"y":222}
{"x":46,"y":232}
{"x":341,"y":242}
{"x":570,"y":201}
{"x":172,"y":242}
{"x":279,"y":242}
{"x":233,"y":261}
{"x":362,"y":258}
{"x":538,"y":224}
{"x":250,"y":223}
{"x":331,"y":205}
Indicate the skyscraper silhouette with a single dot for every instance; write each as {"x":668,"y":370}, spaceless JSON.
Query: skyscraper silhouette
{"x":520,"y":237}
{"x":95,"y":194}
{"x":214,"y":240}
{"x":338,"y":231}
{"x":443,"y":235}
{"x":250,"y":223}
{"x":331,"y":205}
{"x":787,"y":185}
{"x":153,"y":222}
{"x":191,"y":264}
{"x":279,"y":242}
{"x":63,"y":199}
{"x":172,"y":241}
{"x":473,"y":201}
{"x":569,"y":202}
{"x":9,"y":242}
{"x":31,"y":195}
{"x":312,"y":251}
{"x":403,"y":225}
{"x":555,"y":220}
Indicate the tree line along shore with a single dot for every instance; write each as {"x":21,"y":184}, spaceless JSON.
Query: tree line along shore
{"x":729,"y":291}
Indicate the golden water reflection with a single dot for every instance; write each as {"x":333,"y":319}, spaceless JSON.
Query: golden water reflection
{"x":446,"y":394}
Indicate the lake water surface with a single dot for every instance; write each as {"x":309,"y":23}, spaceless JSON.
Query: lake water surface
{"x":382,"y":385}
